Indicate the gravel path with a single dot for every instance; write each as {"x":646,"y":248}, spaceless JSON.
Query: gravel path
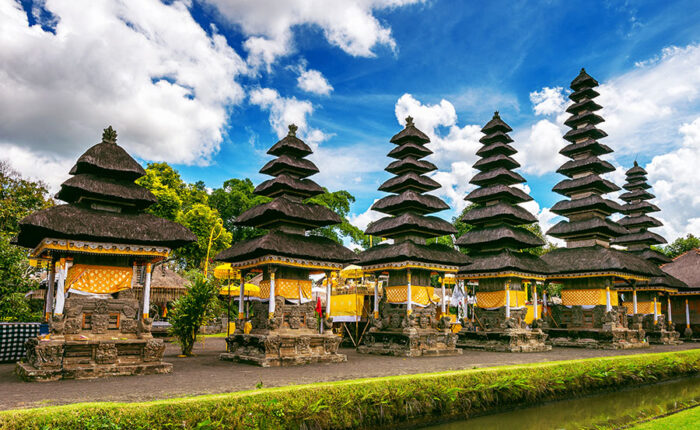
{"x":205,"y":374}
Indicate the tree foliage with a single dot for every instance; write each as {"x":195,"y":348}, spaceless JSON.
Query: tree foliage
{"x":232,"y":199}
{"x":206,"y":224}
{"x":19,"y":197}
{"x":680,"y":246}
{"x":339,"y":202}
{"x":193,"y":310}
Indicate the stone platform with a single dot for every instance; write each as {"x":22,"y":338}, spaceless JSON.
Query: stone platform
{"x":660,"y":333}
{"x":596,"y":338}
{"x":509,"y":340}
{"x":283,"y":349}
{"x":410,"y":343}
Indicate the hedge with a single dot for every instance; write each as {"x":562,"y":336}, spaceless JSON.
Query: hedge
{"x":376,"y":402}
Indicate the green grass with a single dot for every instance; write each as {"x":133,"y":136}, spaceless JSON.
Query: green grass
{"x":371,"y":402}
{"x":688,"y":419}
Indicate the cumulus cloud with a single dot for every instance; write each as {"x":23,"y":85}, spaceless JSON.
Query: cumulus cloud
{"x":312,"y":81}
{"x":147,"y":68}
{"x":548,"y":101}
{"x":362,"y":220}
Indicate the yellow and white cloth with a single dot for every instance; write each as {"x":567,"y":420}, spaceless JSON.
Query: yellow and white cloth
{"x":287,"y":288}
{"x":347,"y":307}
{"x":420,"y":296}
{"x":589,"y":297}
{"x":98,"y":279}
{"x":497,"y":299}
{"x":646,"y":308}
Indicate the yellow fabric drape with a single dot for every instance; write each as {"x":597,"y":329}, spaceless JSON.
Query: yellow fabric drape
{"x":347,"y":305}
{"x":589,"y":297}
{"x":250,"y":290}
{"x":497,"y":299}
{"x":287,"y":288}
{"x":643,"y":307}
{"x":98,"y":279}
{"x":419,"y":295}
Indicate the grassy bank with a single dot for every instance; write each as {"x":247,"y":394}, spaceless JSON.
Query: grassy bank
{"x":377,"y":402}
{"x":684,"y":420}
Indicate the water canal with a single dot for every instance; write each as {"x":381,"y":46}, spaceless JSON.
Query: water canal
{"x":608,"y":410}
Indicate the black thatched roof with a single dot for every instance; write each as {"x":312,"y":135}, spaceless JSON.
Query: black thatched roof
{"x":504,"y":236}
{"x":584,"y":117}
{"x":590,"y":203}
{"x":653,"y":256}
{"x":496,"y":124}
{"x":410,"y":133}
{"x":496,"y":148}
{"x":589,"y":131}
{"x":300,"y":167}
{"x":79,"y":223}
{"x":410,"y":251}
{"x":636,"y":184}
{"x":639,"y":221}
{"x":583,"y":93}
{"x":409,"y":200}
{"x":686,"y":268}
{"x":495,"y":161}
{"x":409,"y":222}
{"x":90,"y":186}
{"x":284,"y":210}
{"x":108,"y":159}
{"x":593,"y":227}
{"x":498,"y":192}
{"x":587,"y":104}
{"x":497,"y":176}
{"x":278,"y":243}
{"x":503,"y":212}
{"x":589,"y":164}
{"x":641,"y":207}
{"x":597,"y":259}
{"x":285,"y":184}
{"x":290,"y":145}
{"x":667,"y":280}
{"x":409,"y":181}
{"x":506,"y":260}
{"x":583,"y":80}
{"x":497,"y":136}
{"x":591,"y":146}
{"x":410,"y":164}
{"x":640,"y":194}
{"x":409,"y":148}
{"x":643,"y":236}
{"x":636,"y":170}
{"x":592,"y":182}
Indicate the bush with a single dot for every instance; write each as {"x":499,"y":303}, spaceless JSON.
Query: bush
{"x":193,"y":310}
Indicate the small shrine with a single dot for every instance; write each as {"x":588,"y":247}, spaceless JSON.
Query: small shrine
{"x":411,"y":320}
{"x":100,"y":247}
{"x":588,"y":268}
{"x":498,"y":246}
{"x":686,"y":302}
{"x":283,"y":327}
{"x":644,"y":300}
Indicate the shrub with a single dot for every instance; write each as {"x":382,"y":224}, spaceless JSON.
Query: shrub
{"x":192,"y":310}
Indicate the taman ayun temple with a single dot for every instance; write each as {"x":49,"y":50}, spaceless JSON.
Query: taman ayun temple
{"x":407,"y":322}
{"x":283,"y":329}
{"x":590,"y":314}
{"x":645,"y":300}
{"x":100,"y":247}
{"x":498,"y":246}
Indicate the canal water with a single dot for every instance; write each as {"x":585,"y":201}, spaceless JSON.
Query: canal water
{"x":608,"y":409}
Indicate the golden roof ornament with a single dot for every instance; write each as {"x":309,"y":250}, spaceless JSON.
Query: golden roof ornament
{"x":292,"y":130}
{"x":109,"y":135}
{"x":409,"y":121}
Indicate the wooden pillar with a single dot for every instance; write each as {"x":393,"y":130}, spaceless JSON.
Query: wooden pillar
{"x":241,"y":296}
{"x":687,"y":315}
{"x":376,"y":297}
{"x":634,"y":301}
{"x":271,"y":303}
{"x":442,"y":304}
{"x":534,"y":299}
{"x":147,"y":292}
{"x":61,"y":286}
{"x":670,"y":318}
{"x":608,"y":303}
{"x":508,"y":299}
{"x":48,"y":306}
{"x":656,"y":314}
{"x":409,"y":307}
{"x":329,"y":292}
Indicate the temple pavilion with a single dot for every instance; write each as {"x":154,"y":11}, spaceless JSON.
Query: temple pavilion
{"x":686,"y":302}
{"x":100,"y":247}
{"x":498,"y":245}
{"x":283,"y":326}
{"x":644,"y":299}
{"x":590,"y":315}
{"x":407,"y":322}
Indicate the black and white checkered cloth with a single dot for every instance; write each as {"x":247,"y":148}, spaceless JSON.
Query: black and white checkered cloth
{"x":12,"y":338}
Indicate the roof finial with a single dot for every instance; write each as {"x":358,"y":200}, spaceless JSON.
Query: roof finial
{"x":409,"y":121}
{"x":496,"y":115}
{"x":109,"y":135}
{"x":635,"y":163}
{"x":292,"y":130}
{"x":583,"y":70}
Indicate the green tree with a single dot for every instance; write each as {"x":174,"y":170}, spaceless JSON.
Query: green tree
{"x":18,"y":198}
{"x":680,"y":246}
{"x":202,"y":220}
{"x":193,"y":310}
{"x":232,"y":199}
{"x":339,"y":202}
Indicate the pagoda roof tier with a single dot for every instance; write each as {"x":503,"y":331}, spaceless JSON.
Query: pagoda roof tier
{"x":410,"y":164}
{"x":590,"y":203}
{"x":410,"y":223}
{"x":502,"y":212}
{"x":499,"y":175}
{"x":586,"y":132}
{"x":495,"y":148}
{"x":290,"y":145}
{"x":636,"y":195}
{"x":278,"y":243}
{"x":597,"y":261}
{"x":496,"y":137}
{"x":667,"y":281}
{"x":295,"y":166}
{"x":498,"y":192}
{"x":409,"y":200}
{"x":642,"y":206}
{"x":584,"y":117}
{"x":636,"y":170}
{"x":506,"y":261}
{"x":591,"y":146}
{"x":96,"y":188}
{"x":584,"y":105}
{"x":81,"y":223}
{"x":645,"y":237}
{"x":282,"y":210}
{"x":503,"y":236}
{"x":496,"y":124}
{"x":640,"y":221}
{"x":592,"y":227}
{"x":495,"y":161}
{"x":583,"y":80}
{"x":409,"y":181}
{"x":286,"y":184}
{"x":590,"y":164}
{"x":639,"y":184}
{"x":410,"y":133}
{"x":108,"y":159}
{"x":409,"y":149}
{"x":593,"y":183}
{"x":583,"y":93}
{"x":407,"y":251}
{"x":653,"y":255}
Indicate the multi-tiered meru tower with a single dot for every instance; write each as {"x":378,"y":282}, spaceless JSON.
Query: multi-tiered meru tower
{"x":587,"y":268}
{"x":643,"y":300}
{"x":284,"y":323}
{"x":497,"y":244}
{"x":407,"y":323}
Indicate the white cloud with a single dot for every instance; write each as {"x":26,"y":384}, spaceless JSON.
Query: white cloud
{"x":349,"y":25}
{"x":312,"y":81}
{"x":548,"y":101}
{"x":362,"y":220}
{"x":539,"y":147}
{"x":147,"y":68}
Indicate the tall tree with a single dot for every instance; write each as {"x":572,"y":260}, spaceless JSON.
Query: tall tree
{"x":206,"y":224}
{"x":232,"y":199}
{"x":19,"y":197}
{"x":681,"y":245}
{"x":339,"y":202}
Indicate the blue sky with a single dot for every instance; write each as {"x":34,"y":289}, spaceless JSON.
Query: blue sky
{"x":209,"y":85}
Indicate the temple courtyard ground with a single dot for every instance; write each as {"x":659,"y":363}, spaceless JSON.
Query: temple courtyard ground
{"x":206,"y":374}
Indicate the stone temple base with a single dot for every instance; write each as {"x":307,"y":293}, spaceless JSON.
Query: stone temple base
{"x":664,"y":337}
{"x":410,"y":343}
{"x":508,"y":340}
{"x":616,"y":338}
{"x":283,"y":349}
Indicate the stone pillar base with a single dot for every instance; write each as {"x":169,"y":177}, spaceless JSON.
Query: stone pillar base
{"x":283,"y":349}
{"x":508,"y":340}
{"x":663,"y":337}
{"x":617,"y":338}
{"x":410,"y":343}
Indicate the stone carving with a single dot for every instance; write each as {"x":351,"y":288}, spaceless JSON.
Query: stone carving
{"x":44,"y":354}
{"x":128,"y":326}
{"x":153,"y":351}
{"x":57,"y":324}
{"x":106,"y":353}
{"x":100,"y":323}
{"x":72,"y":326}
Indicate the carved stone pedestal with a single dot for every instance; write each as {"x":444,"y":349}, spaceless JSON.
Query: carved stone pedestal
{"x":496,"y":333}
{"x":658,"y":333}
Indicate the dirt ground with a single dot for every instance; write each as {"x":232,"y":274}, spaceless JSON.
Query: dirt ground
{"x":205,"y":374}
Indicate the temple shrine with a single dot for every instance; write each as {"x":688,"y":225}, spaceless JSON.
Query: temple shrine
{"x":644,"y":300}
{"x":686,"y":302}
{"x":284,"y":328}
{"x":498,"y":246}
{"x":587,"y":269}
{"x":407,"y":321}
{"x":100,"y":247}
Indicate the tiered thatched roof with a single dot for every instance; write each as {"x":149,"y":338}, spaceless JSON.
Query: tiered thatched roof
{"x":104,"y":204}
{"x":499,"y":235}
